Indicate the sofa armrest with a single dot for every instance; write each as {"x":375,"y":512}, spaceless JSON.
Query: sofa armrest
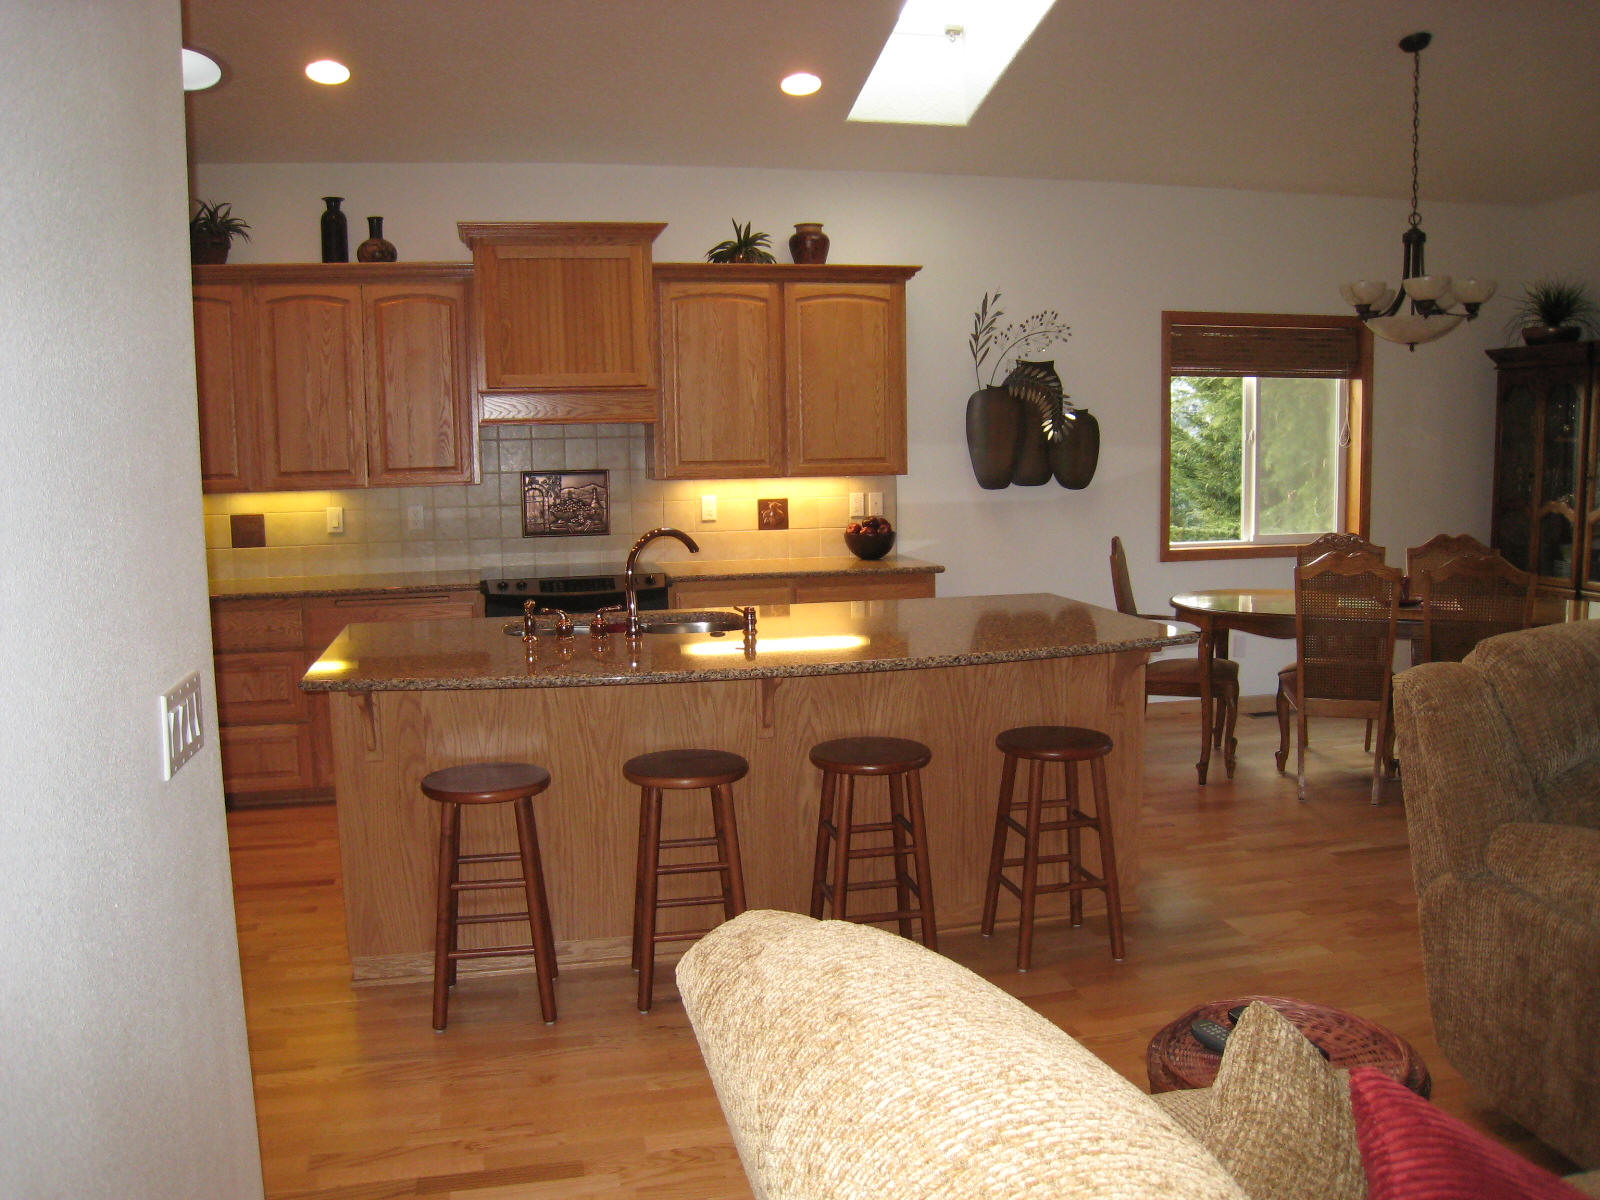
{"x":1557,"y":865}
{"x":851,"y":1063}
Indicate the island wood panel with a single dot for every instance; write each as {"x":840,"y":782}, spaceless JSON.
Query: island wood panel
{"x":588,"y":819}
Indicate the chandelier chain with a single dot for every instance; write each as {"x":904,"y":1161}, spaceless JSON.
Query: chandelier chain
{"x":1416,"y":128}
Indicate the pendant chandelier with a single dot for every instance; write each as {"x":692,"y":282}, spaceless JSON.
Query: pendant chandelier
{"x":1429,"y":301}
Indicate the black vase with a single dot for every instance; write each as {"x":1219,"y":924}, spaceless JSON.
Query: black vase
{"x":1074,"y":458}
{"x":994,"y":427}
{"x":375,"y":248}
{"x":335,"y":236}
{"x":1038,"y":390}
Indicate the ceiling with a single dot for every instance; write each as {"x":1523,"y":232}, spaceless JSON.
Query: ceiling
{"x":1274,"y":95}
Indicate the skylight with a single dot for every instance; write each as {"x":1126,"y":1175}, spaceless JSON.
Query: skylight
{"x":943,"y":57}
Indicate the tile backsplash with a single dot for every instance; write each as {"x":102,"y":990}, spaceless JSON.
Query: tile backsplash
{"x":479,"y":527}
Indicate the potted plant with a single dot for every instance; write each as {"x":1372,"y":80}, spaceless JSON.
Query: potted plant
{"x":1554,"y":310}
{"x":742,"y":247}
{"x":212,"y":228}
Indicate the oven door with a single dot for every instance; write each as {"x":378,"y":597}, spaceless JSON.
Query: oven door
{"x":579,"y":602}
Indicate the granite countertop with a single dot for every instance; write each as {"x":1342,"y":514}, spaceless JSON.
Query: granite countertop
{"x":799,"y":639}
{"x":287,"y":587}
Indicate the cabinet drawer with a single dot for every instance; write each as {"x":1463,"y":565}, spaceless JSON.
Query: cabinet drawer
{"x":326,"y":617}
{"x":256,"y":625}
{"x":260,"y":688}
{"x":266,"y":758}
{"x":731,"y":591}
{"x":882,"y":587}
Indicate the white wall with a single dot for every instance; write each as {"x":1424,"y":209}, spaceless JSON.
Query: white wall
{"x":1108,"y":258}
{"x":123,"y":1055}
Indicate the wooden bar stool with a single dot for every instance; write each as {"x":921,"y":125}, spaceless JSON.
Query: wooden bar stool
{"x":1068,"y":745}
{"x":515,"y":784}
{"x":901,"y":761}
{"x":681,"y":770}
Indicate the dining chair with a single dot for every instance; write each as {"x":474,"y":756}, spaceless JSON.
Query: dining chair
{"x":1345,"y":607}
{"x":1468,"y":598}
{"x":1436,"y":551}
{"x":1181,"y":676}
{"x":1340,"y":542}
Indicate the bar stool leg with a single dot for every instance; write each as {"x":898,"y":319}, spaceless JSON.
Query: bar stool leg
{"x":902,"y":862}
{"x":444,"y":929}
{"x":544,"y":947}
{"x":1108,"y":856}
{"x":919,"y":849}
{"x":841,"y":848}
{"x":1030,"y":865}
{"x":997,"y":852}
{"x":641,"y":869}
{"x":827,"y":831}
{"x":727,"y":831}
{"x":645,"y":951}
{"x":1074,"y":844}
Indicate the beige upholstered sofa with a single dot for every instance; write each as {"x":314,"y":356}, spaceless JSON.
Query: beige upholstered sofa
{"x":1501,"y":761}
{"x":852,"y":1064}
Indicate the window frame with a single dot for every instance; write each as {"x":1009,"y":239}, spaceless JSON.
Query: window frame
{"x":1357,"y":499}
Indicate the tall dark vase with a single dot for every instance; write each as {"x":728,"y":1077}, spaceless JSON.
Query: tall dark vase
{"x":1074,"y":458}
{"x":808,"y":244}
{"x":335,"y":235}
{"x":375,"y":248}
{"x":994,"y":427}
{"x":1038,"y":390}
{"x":1033,"y":453}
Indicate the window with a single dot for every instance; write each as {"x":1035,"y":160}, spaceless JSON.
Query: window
{"x":1267,"y":436}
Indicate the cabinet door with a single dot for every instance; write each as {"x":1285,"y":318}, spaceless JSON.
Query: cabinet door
{"x":418,"y":402}
{"x":721,"y":381}
{"x":556,"y":316}
{"x":846,"y":385}
{"x":1516,"y":452}
{"x":222,"y":382}
{"x":862,"y":587}
{"x":309,"y":386}
{"x":1561,"y":463}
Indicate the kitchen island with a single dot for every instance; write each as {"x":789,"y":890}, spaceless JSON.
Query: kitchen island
{"x":409,"y":698}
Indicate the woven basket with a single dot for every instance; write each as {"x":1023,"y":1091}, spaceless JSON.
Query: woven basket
{"x":1176,"y":1060}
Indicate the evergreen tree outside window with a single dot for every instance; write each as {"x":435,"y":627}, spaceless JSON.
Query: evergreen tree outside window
{"x":1266,"y":434}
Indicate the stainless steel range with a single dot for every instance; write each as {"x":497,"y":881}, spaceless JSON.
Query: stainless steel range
{"x":579,"y":596}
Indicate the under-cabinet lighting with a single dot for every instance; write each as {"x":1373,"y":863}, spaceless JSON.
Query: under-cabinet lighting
{"x":943,"y":57}
{"x":328,"y":666}
{"x":791,"y":645}
{"x":326,"y":70}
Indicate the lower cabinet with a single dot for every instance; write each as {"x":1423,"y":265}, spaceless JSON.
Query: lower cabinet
{"x":800,"y":589}
{"x":275,"y":739}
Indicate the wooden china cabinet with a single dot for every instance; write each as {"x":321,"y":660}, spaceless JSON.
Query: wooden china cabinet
{"x":1546,"y":516}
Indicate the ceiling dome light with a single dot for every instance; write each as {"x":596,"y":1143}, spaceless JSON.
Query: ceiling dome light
{"x":200,"y":71}
{"x":801,"y":83}
{"x":326,"y":70}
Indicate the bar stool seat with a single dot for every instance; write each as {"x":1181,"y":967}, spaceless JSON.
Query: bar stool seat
{"x":900,"y":761}
{"x":682,"y":770}
{"x":515,"y":784}
{"x":1039,"y":745}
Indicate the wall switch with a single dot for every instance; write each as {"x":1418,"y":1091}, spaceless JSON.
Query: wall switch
{"x":858,"y":504}
{"x":182,"y":728}
{"x":708,"y":508}
{"x":874,"y":504}
{"x":335,"y":517}
{"x":416,"y":518}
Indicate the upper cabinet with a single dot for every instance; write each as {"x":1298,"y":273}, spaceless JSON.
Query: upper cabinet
{"x":1547,"y":464}
{"x":565,"y":321}
{"x":336,"y":376}
{"x":780,"y":370}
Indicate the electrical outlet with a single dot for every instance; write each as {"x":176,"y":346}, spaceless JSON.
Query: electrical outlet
{"x":182,"y":725}
{"x":335,"y":517}
{"x":708,"y":508}
{"x":874,"y":504}
{"x":858,"y":504}
{"x":416,"y":518}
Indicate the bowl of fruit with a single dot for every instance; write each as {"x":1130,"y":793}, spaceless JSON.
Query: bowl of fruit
{"x":870,"y":537}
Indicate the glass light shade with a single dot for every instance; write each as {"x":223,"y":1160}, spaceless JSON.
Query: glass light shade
{"x":1368,"y":291}
{"x":1427,"y":287}
{"x":1474,"y":291}
{"x":1385,"y":298}
{"x":200,"y":71}
{"x":1411,"y":330}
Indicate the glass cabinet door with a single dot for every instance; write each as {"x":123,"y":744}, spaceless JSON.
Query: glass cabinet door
{"x":1514,"y":458}
{"x":1561,"y":461}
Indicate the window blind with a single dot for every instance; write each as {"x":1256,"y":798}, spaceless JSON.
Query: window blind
{"x":1281,"y":347}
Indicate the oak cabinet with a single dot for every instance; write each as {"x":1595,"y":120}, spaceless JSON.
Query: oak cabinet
{"x":780,"y":370}
{"x":1546,"y":516}
{"x":564,"y":319}
{"x":801,"y":589}
{"x":318,"y":377}
{"x":275,"y":738}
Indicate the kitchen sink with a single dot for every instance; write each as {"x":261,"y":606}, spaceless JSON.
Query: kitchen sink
{"x":671,"y":621}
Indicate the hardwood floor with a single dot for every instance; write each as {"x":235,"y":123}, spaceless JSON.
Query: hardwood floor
{"x":1245,"y":890}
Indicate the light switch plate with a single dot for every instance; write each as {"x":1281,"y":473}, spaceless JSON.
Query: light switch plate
{"x":708,"y":508}
{"x":335,"y":516}
{"x":858,"y":504}
{"x":874,"y":504}
{"x":182,"y":725}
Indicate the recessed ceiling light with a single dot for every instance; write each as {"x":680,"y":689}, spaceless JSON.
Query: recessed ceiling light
{"x":943,"y":57}
{"x":325,"y":70}
{"x":200,"y":71}
{"x":801,"y":83}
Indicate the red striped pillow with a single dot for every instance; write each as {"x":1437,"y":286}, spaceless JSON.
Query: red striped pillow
{"x":1411,"y":1150}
